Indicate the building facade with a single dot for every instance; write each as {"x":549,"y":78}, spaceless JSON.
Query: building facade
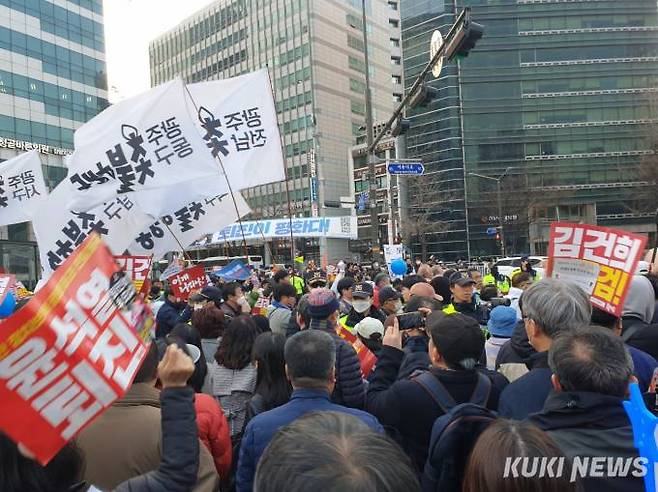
{"x":52,"y":80}
{"x":314,"y":52}
{"x":555,"y":100}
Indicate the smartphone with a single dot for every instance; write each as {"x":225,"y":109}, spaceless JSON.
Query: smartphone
{"x":408,"y":321}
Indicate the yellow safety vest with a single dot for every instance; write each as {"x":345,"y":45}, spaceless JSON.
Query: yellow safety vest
{"x":342,"y":321}
{"x":503,"y":286}
{"x":536,"y":278}
{"x":450,"y":309}
{"x":298,"y":284}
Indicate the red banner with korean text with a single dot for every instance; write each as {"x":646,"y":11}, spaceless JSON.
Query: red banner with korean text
{"x":71,"y":351}
{"x":138,"y":268}
{"x":260,"y":308}
{"x":188,"y":281}
{"x":7,"y":283}
{"x":601,"y":260}
{"x":366,"y":358}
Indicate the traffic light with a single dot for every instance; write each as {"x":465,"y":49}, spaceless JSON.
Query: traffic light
{"x":423,"y":96}
{"x":399,"y":127}
{"x":464,"y":39}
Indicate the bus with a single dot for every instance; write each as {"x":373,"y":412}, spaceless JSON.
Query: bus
{"x":215,"y":263}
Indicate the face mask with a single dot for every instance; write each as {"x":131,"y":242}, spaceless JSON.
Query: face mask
{"x":361,"y":306}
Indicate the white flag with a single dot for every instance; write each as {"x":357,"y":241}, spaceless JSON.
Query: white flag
{"x":148,"y":148}
{"x":22,"y":188}
{"x":239,"y":124}
{"x":59,"y":230}
{"x":188,"y":224}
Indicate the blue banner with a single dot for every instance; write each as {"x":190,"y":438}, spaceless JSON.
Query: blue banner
{"x":236,"y":270}
{"x":334,"y":227}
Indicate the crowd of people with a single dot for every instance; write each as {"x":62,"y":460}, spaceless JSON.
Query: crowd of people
{"x":468,"y":370}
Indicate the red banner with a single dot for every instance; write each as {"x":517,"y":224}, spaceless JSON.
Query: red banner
{"x":138,"y":267}
{"x":6,"y":285}
{"x":601,"y":260}
{"x":260,"y":308}
{"x":71,"y":351}
{"x":366,"y":357}
{"x":188,"y":281}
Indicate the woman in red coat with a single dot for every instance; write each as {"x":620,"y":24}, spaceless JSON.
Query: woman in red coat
{"x":214,"y":432}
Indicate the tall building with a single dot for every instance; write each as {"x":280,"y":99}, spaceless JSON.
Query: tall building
{"x":314,"y":51}
{"x":555,"y":98}
{"x":52,"y":80}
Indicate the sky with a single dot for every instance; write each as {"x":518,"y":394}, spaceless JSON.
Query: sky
{"x":129,"y":26}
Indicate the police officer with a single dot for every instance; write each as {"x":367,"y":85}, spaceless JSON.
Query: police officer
{"x":362,"y":307}
{"x":527,"y":268}
{"x":463,"y":300}
{"x":502,"y":282}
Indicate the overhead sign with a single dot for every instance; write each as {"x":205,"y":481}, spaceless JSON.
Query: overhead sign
{"x":406,"y":168}
{"x":330,"y":227}
{"x":435,"y":45}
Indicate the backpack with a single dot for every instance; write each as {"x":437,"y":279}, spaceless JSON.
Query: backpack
{"x":454,"y":433}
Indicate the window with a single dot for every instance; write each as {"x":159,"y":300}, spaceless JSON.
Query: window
{"x":357,"y":86}
{"x":395,"y":60}
{"x":356,"y":64}
{"x":395,"y":42}
{"x":358,"y":107}
{"x":394,"y":23}
{"x":397,"y":79}
{"x":393,"y":5}
{"x":355,"y":43}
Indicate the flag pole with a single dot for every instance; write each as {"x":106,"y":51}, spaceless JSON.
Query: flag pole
{"x":230,"y":188}
{"x":185,"y":254}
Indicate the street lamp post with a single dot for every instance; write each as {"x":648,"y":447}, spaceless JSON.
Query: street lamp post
{"x":499,"y":198}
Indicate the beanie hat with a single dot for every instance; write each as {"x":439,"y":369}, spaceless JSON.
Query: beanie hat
{"x":322,"y":303}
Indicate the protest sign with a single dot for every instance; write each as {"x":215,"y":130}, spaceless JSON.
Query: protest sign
{"x":261,"y":305}
{"x":138,"y":268}
{"x":236,"y":270}
{"x":240,"y":127}
{"x":366,"y":358}
{"x":186,"y":282}
{"x":393,"y":252}
{"x":148,"y":148}
{"x":59,"y":230}
{"x":187,"y":224}
{"x":329,"y":227}
{"x":614,"y":252}
{"x":71,"y":351}
{"x":21,"y":187}
{"x":7,"y":283}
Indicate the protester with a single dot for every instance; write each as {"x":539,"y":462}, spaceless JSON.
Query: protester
{"x":279,"y":312}
{"x":461,"y":289}
{"x":310,"y":365}
{"x":362,"y":307}
{"x":332,"y":451}
{"x":501,"y":324}
{"x":126,"y":440}
{"x":423,"y":289}
{"x":371,"y":332}
{"x":441,"y":286}
{"x":300,"y":318}
{"x":415,"y":342}
{"x":231,"y":307}
{"x":381,"y":280}
{"x":187,"y":337}
{"x":231,"y":376}
{"x":637,"y":315}
{"x":489,"y":471}
{"x":350,"y":388}
{"x":210,"y":323}
{"x":520,"y":283}
{"x":591,"y":370}
{"x":424,"y":271}
{"x":173,"y":311}
{"x":272,"y":386}
{"x":281,"y":277}
{"x":488,"y":292}
{"x":212,"y":295}
{"x":407,"y":283}
{"x":456,"y":343}
{"x":390,"y":301}
{"x":549,"y":308}
{"x":262,"y":324}
{"x":345,"y":287}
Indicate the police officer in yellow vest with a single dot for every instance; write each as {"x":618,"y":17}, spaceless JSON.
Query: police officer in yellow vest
{"x":362,"y":299}
{"x":502,"y":282}
{"x":527,"y":267}
{"x":463,"y":300}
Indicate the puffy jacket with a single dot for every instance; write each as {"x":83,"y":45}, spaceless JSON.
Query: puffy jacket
{"x":214,"y":432}
{"x":350,"y":388}
{"x":169,"y":316}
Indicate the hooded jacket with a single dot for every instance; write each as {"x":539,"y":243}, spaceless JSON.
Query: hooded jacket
{"x":637,"y":314}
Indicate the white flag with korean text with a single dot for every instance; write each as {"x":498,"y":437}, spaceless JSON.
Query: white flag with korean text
{"x":148,"y":148}
{"x":240,"y":127}
{"x":22,"y":188}
{"x":59,"y":230}
{"x":188,"y":224}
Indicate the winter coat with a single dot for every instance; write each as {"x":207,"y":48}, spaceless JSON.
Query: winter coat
{"x":350,"y":388}
{"x":214,"y":432}
{"x":590,"y":424}
{"x":407,"y":410}
{"x":416,"y":356}
{"x":233,"y":389}
{"x":262,"y":428}
{"x":528,"y":393}
{"x":279,"y":317}
{"x":169,"y":316}
{"x":126,"y":441}
{"x":492,"y":348}
{"x":513,"y":356}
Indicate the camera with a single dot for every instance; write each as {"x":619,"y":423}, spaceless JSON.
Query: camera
{"x":498,"y":301}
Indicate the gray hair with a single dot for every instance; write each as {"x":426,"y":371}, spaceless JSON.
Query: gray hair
{"x":310,"y":356}
{"x":591,"y":359}
{"x":556,"y":306}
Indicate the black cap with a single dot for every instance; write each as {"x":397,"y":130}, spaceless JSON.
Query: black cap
{"x":212,"y":294}
{"x":345,"y":283}
{"x":388,"y":293}
{"x":458,"y":278}
{"x":457,"y":337}
{"x":362,"y":290}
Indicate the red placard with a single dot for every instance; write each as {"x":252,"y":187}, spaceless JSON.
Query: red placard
{"x":71,"y":351}
{"x":6,"y":285}
{"x":138,"y":267}
{"x":188,"y":281}
{"x":366,"y":358}
{"x":609,"y":256}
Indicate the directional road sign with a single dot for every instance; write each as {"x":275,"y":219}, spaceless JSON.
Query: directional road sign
{"x":410,"y":168}
{"x":491,"y":231}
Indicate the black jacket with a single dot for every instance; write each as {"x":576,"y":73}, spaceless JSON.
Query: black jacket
{"x":644,"y":337}
{"x":416,"y":356}
{"x":590,"y":424}
{"x":169,"y":316}
{"x":180,"y":447}
{"x":407,"y":410}
{"x":354,"y":317}
{"x":527,"y":394}
{"x":350,"y":388}
{"x":517,"y":350}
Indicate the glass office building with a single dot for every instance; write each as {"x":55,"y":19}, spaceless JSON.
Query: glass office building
{"x":556,"y":97}
{"x":52,"y":80}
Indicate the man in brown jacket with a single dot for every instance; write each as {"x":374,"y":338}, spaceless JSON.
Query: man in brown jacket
{"x":126,"y":440}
